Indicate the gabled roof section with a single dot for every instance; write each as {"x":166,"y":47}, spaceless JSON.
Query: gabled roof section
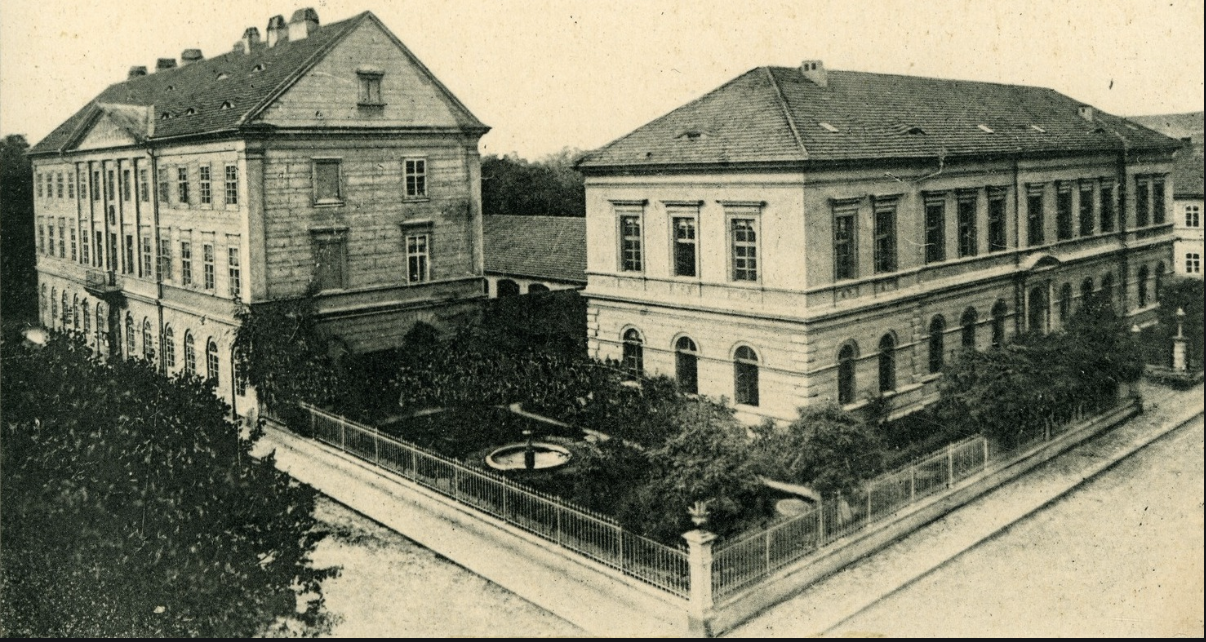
{"x":539,"y":247}
{"x":776,"y":115}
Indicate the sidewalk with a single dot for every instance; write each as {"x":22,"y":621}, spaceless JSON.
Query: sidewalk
{"x":826,"y":604}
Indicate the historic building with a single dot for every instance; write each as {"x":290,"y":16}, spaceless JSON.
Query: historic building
{"x":320,"y":158}
{"x":801,"y":234}
{"x":534,"y":254}
{"x":1187,"y":179}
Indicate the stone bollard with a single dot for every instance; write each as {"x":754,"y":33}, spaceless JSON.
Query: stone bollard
{"x":699,"y":559}
{"x":1179,"y":342}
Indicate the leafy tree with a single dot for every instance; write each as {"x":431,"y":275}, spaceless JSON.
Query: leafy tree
{"x":826,"y":448}
{"x":132,"y":507}
{"x":548,"y":187}
{"x":18,"y":277}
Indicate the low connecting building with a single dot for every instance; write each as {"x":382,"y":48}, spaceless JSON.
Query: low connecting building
{"x":320,"y":159}
{"x":802,"y":235}
{"x":534,"y":254}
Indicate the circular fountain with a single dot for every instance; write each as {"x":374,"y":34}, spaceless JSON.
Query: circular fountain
{"x":529,"y":455}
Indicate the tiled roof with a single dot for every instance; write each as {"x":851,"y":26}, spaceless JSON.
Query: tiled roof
{"x":775,"y":114}
{"x":1188,"y":125}
{"x":221,"y":91}
{"x":549,"y":247}
{"x":1187,"y":174}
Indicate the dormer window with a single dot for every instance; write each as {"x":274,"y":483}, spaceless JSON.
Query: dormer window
{"x":370,"y":87}
{"x":171,"y":87}
{"x":190,"y":112}
{"x":222,"y":76}
{"x":165,"y":115}
{"x":985,"y":128}
{"x":259,"y":67}
{"x":227,"y":105}
{"x":690,"y":134}
{"x":1038,"y":129}
{"x":829,"y":128}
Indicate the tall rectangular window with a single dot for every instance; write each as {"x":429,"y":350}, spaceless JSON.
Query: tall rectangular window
{"x":744,"y":239}
{"x":165,"y":258}
{"x":99,"y":253}
{"x":207,"y":265}
{"x":1088,"y":217}
{"x":1063,"y":211}
{"x":58,"y":179}
{"x":326,"y":181}
{"x":146,"y":257}
{"x":164,"y":184}
{"x":1158,"y":204}
{"x":204,"y":185}
{"x":182,"y":185}
{"x":631,"y":258}
{"x":186,"y":263}
{"x":73,"y":243}
{"x":418,"y":256}
{"x":996,"y":221}
{"x":935,"y":231}
{"x":144,"y":189}
{"x":129,"y":268}
{"x":50,"y":237}
{"x":330,"y":261}
{"x":38,"y":183}
{"x":1193,"y":216}
{"x":370,"y":88}
{"x":1034,"y":217}
{"x":845,"y":248}
{"x":236,"y":275}
{"x":885,"y":239}
{"x":232,"y":185}
{"x":1142,"y":204}
{"x":62,"y":238}
{"x":968,"y":237}
{"x":71,"y":184}
{"x":416,"y":177}
{"x":96,"y":185}
{"x":684,"y":245}
{"x":84,"y":247}
{"x":41,"y":235}
{"x":1193,"y":263}
{"x":125,"y":184}
{"x":1107,"y":207}
{"x":111,"y":185}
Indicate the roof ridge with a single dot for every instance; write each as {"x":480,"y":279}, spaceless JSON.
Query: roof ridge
{"x":791,"y":122}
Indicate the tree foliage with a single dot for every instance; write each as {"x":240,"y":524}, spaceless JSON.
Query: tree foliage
{"x":547,"y":187}
{"x":18,"y":278}
{"x":132,"y":507}
{"x":825,"y":448}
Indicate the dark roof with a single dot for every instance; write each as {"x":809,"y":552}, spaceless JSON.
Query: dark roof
{"x":541,"y":247}
{"x":776,"y":115}
{"x":1179,"y":126}
{"x":1187,"y":174}
{"x":246,"y":81}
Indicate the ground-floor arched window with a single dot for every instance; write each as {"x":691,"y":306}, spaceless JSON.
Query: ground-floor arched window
{"x":686,"y":365}
{"x":887,"y":363}
{"x":845,"y":371}
{"x":1086,"y":290}
{"x":190,"y":354}
{"x":148,"y":344}
{"x":212,"y":365}
{"x":169,"y":348}
{"x":937,"y":343}
{"x":1037,"y":310}
{"x":1065,"y":302}
{"x":537,"y":288}
{"x":1142,"y":278}
{"x":999,"y":312}
{"x":507,"y":287}
{"x":130,"y":336}
{"x":745,"y":376}
{"x":634,"y":352}
{"x":968,"y":325}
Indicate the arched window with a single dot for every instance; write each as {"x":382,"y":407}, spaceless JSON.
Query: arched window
{"x":1037,"y":309}
{"x":240,"y":377}
{"x":190,"y":354}
{"x":45,"y":305}
{"x":686,"y":365}
{"x":75,"y":312}
{"x":1159,"y":280}
{"x":1086,"y":290}
{"x":1065,"y":302}
{"x":148,"y":344}
{"x":212,"y":364}
{"x":937,"y":343}
{"x":54,"y":305}
{"x":846,"y":383}
{"x":745,"y":376}
{"x":169,"y":348}
{"x":507,"y":287}
{"x":634,"y":351}
{"x":999,"y":312}
{"x":1107,"y":288}
{"x":100,"y":325}
{"x":1142,"y":278}
{"x":537,"y":288}
{"x":968,"y":324}
{"x":87,"y":320}
{"x":66,"y":311}
{"x":887,"y":363}
{"x":129,"y":336}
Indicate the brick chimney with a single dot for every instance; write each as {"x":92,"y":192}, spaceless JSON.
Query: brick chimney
{"x":137,"y":71}
{"x":278,"y":31}
{"x":814,"y":70}
{"x":251,"y":39}
{"x":165,"y":63}
{"x":303,"y":23}
{"x":189,"y":56}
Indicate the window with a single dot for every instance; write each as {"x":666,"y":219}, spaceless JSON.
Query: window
{"x":236,"y":277}
{"x":164,"y":184}
{"x":169,"y":348}
{"x":111,"y":195}
{"x":49,"y":185}
{"x":1159,"y":289}
{"x":1034,"y":216}
{"x":38,"y":183}
{"x":232,"y":185}
{"x":1037,"y":310}
{"x":240,"y":377}
{"x":41,"y":235}
{"x":1142,"y":205}
{"x":1158,"y":205}
{"x":42,"y":307}
{"x":1193,"y":216}
{"x":182,"y":185}
{"x":98,"y":257}
{"x":370,"y":88}
{"x":1107,"y":207}
{"x":205,"y":185}
{"x":885,"y":238}
{"x":845,"y":247}
{"x":999,"y":312}
{"x":745,"y":249}
{"x":190,"y":354}
{"x":146,"y":257}
{"x":125,"y":184}
{"x":66,"y":311}
{"x":1086,"y":290}
{"x":130,"y":337}
{"x":129,"y":265}
{"x":148,"y":345}
{"x":1063,"y":211}
{"x":207,"y":265}
{"x":71,"y":181}
{"x":58,"y":179}
{"x":212,"y":365}
{"x":845,"y":373}
{"x":73,"y":245}
{"x":1087,"y":215}
{"x":83,"y":247}
{"x":415,"y":170}
{"x":937,"y":343}
{"x":87,"y":319}
{"x":96,"y":185}
{"x":50,"y":239}
{"x":165,"y":259}
{"x":62,"y":238}
{"x":967,"y":323}
{"x":1193,"y":263}
{"x":1142,"y":283}
{"x":330,"y":261}
{"x":1065,"y":302}
{"x":54,"y":305}
{"x":186,"y":262}
{"x":75,"y":312}
{"x":745,"y":376}
{"x":935,"y":231}
{"x":418,"y":258}
{"x":100,"y":324}
{"x":630,"y":244}
{"x":633,"y":353}
{"x":686,"y":365}
{"x":684,"y":246}
{"x":144,"y":188}
{"x":1107,"y":288}
{"x":887,"y":363}
{"x":326,"y":182}
{"x":967,"y":225}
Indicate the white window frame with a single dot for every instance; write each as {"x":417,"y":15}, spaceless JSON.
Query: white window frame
{"x":205,"y":185}
{"x":419,"y":251}
{"x":339,"y":189}
{"x":209,"y":276}
{"x":1193,"y":263}
{"x":683,"y":211}
{"x":1193,"y":216}
{"x":625,"y":210}
{"x":231,"y":184}
{"x":337,"y":236}
{"x":414,"y":168}
{"x":743,"y":211}
{"x":234,"y":272}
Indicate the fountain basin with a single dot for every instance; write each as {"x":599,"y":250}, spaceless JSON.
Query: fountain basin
{"x":545,"y":456}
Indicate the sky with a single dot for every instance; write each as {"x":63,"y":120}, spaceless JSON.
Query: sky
{"x":550,"y":74}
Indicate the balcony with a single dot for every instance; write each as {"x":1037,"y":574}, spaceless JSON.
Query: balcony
{"x":102,"y":283}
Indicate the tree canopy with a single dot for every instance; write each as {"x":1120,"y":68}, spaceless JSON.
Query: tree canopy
{"x":17,"y":259}
{"x":547,"y":187}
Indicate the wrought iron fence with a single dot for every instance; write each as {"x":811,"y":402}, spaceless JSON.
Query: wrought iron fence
{"x":577,"y":529}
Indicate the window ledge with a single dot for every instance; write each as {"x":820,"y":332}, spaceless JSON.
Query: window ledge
{"x":330,"y":203}
{"x":373,"y":106}
{"x":416,"y":199}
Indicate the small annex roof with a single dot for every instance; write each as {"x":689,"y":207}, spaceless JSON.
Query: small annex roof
{"x":778,"y":115}
{"x":537,"y":247}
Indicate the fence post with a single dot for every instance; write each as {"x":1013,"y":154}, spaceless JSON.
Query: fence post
{"x":869,"y":487}
{"x":559,"y":511}
{"x":699,"y":561}
{"x":376,"y":446}
{"x":343,"y":436}
{"x":821,"y":522}
{"x":912,"y":483}
{"x":313,"y":421}
{"x":456,"y":483}
{"x":620,"y":543}
{"x":984,"y":443}
{"x":950,"y":465}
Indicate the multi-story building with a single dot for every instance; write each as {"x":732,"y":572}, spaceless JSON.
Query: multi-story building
{"x":801,"y":234}
{"x":322,"y":158}
{"x":1187,"y":197}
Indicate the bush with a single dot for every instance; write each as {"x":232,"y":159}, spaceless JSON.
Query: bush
{"x":825,"y":448}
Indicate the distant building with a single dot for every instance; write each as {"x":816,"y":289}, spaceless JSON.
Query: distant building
{"x":323,"y":158}
{"x":800,"y":235}
{"x":1187,"y":182}
{"x":532,"y":254}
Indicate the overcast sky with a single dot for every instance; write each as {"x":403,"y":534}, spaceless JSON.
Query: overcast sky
{"x":548,"y":74}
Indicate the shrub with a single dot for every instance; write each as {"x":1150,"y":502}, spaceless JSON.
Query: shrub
{"x":825,"y":448}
